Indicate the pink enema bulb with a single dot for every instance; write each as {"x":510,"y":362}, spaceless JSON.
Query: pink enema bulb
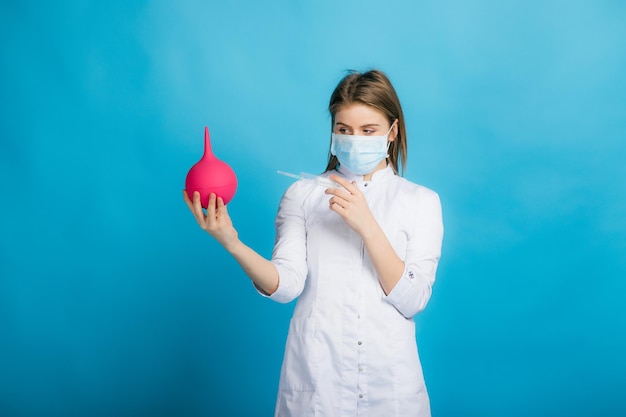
{"x":210,"y":175}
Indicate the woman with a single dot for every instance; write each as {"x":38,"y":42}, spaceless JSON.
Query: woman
{"x":361,"y":258}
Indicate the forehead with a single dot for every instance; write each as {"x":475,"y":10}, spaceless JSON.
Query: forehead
{"x":357,"y":114}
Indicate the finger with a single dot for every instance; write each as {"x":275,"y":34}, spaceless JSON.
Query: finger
{"x":197,"y":209}
{"x":349,"y":186}
{"x":339,"y":180}
{"x":196,"y":201}
{"x":339,"y":193}
{"x":338,"y":208}
{"x":338,"y":201}
{"x":221,"y":207}
{"x":192,"y":207}
{"x":210,"y":209}
{"x":187,"y":200}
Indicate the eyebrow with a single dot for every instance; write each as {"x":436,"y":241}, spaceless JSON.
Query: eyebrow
{"x":366,"y":125}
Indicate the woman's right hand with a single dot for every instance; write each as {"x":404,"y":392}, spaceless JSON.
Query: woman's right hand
{"x":216,"y":221}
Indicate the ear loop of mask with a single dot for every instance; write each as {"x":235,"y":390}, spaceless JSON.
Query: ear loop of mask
{"x":389,"y":141}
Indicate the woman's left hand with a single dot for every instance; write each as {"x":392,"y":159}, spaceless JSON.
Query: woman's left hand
{"x":349,"y":202}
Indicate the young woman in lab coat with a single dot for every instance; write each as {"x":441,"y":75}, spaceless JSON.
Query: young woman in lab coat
{"x":361,"y":259}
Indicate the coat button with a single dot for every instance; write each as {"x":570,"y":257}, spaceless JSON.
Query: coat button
{"x":359,"y":343}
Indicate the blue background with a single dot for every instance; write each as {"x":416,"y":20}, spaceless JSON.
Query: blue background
{"x":114,"y":303}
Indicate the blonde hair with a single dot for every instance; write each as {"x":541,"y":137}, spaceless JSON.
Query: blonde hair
{"x":373,"y":89}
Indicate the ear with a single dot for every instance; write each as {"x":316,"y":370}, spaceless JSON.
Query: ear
{"x":394,"y":131}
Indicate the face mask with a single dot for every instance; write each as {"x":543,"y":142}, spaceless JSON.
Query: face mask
{"x":360,"y":154}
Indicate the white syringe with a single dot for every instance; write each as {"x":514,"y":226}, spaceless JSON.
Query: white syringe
{"x":323,"y":181}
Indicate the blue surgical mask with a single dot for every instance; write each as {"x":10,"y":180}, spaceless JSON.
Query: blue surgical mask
{"x":360,"y":154}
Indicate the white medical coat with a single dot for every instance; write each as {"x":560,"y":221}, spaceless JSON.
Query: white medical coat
{"x":351,"y":349}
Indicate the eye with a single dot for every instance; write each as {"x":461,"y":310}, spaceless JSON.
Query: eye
{"x":369,"y":131}
{"x":343,"y":130}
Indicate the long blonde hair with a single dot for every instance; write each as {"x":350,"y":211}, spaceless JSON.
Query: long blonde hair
{"x":373,"y":89}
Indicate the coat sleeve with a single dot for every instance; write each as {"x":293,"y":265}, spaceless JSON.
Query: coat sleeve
{"x":289,"y":254}
{"x":412,"y":292}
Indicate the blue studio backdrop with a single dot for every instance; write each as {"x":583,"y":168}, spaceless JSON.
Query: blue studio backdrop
{"x":114,"y":303}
